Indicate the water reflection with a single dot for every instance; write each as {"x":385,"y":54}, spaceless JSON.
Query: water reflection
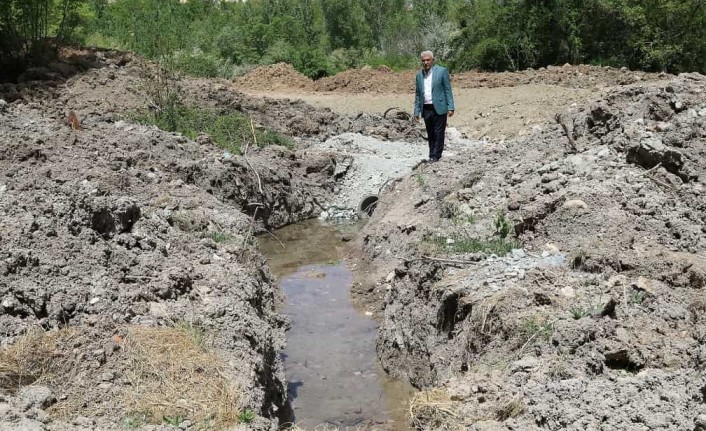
{"x":330,"y":359}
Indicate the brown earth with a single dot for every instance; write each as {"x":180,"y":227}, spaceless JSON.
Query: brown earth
{"x":488,"y":105}
{"x":532,"y":284}
{"x":549,"y":280}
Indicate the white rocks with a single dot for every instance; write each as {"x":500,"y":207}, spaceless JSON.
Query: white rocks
{"x":9,"y":303}
{"x":390,"y":277}
{"x":568,"y":291}
{"x":574,"y":203}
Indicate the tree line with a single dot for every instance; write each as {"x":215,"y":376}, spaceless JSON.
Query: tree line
{"x":322,"y":37}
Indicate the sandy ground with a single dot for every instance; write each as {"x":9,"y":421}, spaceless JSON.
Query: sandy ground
{"x":493,"y":113}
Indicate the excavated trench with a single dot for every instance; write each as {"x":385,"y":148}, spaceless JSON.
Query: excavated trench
{"x":334,"y":378}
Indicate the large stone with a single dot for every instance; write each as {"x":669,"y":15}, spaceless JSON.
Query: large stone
{"x":39,"y":397}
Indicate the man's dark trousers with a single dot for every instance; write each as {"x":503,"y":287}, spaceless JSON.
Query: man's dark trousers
{"x":436,"y":129}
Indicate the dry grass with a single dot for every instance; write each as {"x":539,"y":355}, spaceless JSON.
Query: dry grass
{"x":32,"y":358}
{"x":173,"y":376}
{"x":512,"y":409}
{"x":170,"y":376}
{"x":434,"y":409}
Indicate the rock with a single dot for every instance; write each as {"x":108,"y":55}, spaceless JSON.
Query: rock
{"x":524,"y":365}
{"x":700,"y":423}
{"x":568,"y":291}
{"x":39,"y":397}
{"x":9,"y":303}
{"x":574,"y":203}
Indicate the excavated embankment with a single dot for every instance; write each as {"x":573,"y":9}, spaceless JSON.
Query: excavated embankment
{"x":119,"y":226}
{"x":594,"y":320}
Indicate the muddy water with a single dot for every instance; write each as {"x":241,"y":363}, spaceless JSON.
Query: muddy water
{"x":333,"y":375}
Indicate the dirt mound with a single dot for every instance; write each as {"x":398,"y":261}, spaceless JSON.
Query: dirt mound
{"x":274,"y":77}
{"x":282,"y":76}
{"x":574,"y":76}
{"x":368,"y":80}
{"x":124,"y":227}
{"x":593,"y":294}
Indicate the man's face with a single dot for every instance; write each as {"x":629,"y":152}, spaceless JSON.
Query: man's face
{"x":427,"y":62}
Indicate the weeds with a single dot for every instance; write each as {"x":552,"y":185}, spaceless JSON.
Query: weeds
{"x":537,"y":327}
{"x":502,"y":224}
{"x":173,"y":420}
{"x":421,"y":181}
{"x":220,"y":237}
{"x":452,"y":211}
{"x":135,"y":421}
{"x":228,"y":130}
{"x":498,"y":246}
{"x":194,"y":330}
{"x":246,"y":416}
{"x":637,"y":297}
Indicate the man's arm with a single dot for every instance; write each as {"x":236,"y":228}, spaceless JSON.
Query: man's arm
{"x":448,"y":92}
{"x":417,"y":99}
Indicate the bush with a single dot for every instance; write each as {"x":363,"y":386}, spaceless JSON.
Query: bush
{"x":228,"y":130}
{"x":198,"y":63}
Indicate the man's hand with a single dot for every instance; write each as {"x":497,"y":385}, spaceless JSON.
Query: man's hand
{"x":451,"y":113}
{"x":418,"y":118}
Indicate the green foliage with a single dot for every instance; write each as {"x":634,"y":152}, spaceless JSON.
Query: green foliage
{"x":320,"y":37}
{"x":538,"y":327}
{"x":650,"y":35}
{"x":501,"y":224}
{"x":246,"y":416}
{"x":220,"y":237}
{"x":637,"y":297}
{"x":421,"y":181}
{"x":463,"y":244}
{"x":135,"y":421}
{"x":173,"y":420}
{"x":579,"y":313}
{"x":195,"y":331}
{"x":228,"y":130}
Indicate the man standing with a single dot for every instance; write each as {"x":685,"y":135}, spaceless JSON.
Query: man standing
{"x":433,"y":101}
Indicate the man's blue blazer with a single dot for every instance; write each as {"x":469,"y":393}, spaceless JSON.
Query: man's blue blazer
{"x":441,"y":94}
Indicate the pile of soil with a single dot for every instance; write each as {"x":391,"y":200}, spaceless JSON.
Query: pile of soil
{"x":282,"y":77}
{"x":274,"y":77}
{"x":573,"y":76}
{"x":600,"y":298}
{"x":119,"y":226}
{"x":368,"y":80}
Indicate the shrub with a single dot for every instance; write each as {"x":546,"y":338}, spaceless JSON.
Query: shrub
{"x":228,"y":130}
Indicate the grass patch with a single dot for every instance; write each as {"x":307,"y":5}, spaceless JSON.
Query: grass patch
{"x":246,"y":416}
{"x":228,"y":130}
{"x":421,"y":181}
{"x":30,"y":359}
{"x":538,"y":327}
{"x":220,"y":237}
{"x":460,"y":244}
{"x":169,"y":375}
{"x":434,"y":409}
{"x":172,"y":377}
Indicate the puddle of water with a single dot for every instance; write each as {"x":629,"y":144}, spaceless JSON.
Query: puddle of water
{"x":330,"y":359}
